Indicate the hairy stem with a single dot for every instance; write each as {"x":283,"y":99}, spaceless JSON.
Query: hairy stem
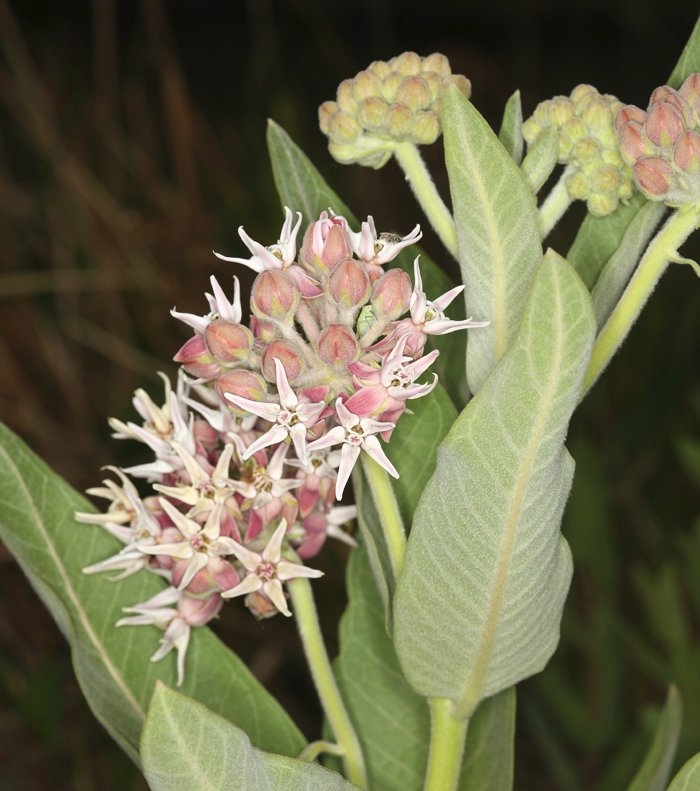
{"x":324,"y":680}
{"x":388,"y":510}
{"x":555,"y":204}
{"x":423,"y":186}
{"x":447,"y":737}
{"x":662,"y":249}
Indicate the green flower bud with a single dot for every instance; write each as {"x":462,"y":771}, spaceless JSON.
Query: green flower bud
{"x":407,"y":64}
{"x":437,"y":63}
{"x":426,"y":129}
{"x":388,"y":103}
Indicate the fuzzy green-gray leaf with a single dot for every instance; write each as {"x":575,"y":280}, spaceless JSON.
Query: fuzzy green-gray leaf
{"x":186,"y":746}
{"x":688,"y":778}
{"x":393,"y":722}
{"x":112,"y":665}
{"x":511,"y":132}
{"x":487,"y":570}
{"x":497,"y":235}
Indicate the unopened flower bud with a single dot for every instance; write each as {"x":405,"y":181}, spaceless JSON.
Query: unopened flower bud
{"x":653,"y":176}
{"x":631,"y":142}
{"x":686,"y":152}
{"x":346,"y":98}
{"x":407,"y":64}
{"x":260,"y":606}
{"x":427,"y":128}
{"x":379,"y":67}
{"x":196,"y":359}
{"x":438,"y":63}
{"x":337,"y":346}
{"x":228,"y":342}
{"x":366,"y":84}
{"x":399,"y":121}
{"x":690,"y":90}
{"x":663,"y":125}
{"x":462,"y":84}
{"x":371,"y":113}
{"x":326,"y":242}
{"x":325,"y":112}
{"x":391,"y":294}
{"x":390,"y":86}
{"x":290,"y":357}
{"x":415,"y":93}
{"x":629,"y":112}
{"x":348,"y":284}
{"x":245,"y":384}
{"x":198,"y":612}
{"x":343,"y":128}
{"x":274,"y":296}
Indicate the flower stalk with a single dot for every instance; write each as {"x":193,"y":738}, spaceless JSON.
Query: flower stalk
{"x":662,"y":249}
{"x":419,"y":178}
{"x":388,"y":510}
{"x":315,"y":650}
{"x":447,"y":737}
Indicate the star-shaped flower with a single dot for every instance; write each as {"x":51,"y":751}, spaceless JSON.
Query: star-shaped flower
{"x":267,"y":570}
{"x":220,"y":307}
{"x":382,"y":248}
{"x":200,"y":544}
{"x":356,"y":434}
{"x":276,"y":256}
{"x":290,"y":418}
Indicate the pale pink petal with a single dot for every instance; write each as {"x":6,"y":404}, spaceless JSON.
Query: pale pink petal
{"x":273,"y":550}
{"x":261,"y":409}
{"x":374,"y":449}
{"x":250,"y":584}
{"x":273,"y":589}
{"x":348,"y":457}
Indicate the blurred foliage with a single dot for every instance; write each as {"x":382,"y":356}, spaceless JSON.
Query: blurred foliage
{"x":132,"y":143}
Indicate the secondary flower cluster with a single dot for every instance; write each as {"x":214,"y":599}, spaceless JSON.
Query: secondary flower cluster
{"x":662,"y":144}
{"x":256,"y":443}
{"x":584,"y":123}
{"x":388,"y":102}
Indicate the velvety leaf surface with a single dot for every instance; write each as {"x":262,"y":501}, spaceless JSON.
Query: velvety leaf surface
{"x":511,"y":132}
{"x":186,"y":746}
{"x":487,"y":570}
{"x":112,"y":665}
{"x":654,"y":772}
{"x":619,"y":269}
{"x":688,"y":778}
{"x":392,"y":720}
{"x":497,"y":234}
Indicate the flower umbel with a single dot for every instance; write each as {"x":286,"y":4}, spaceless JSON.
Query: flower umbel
{"x":256,"y":444}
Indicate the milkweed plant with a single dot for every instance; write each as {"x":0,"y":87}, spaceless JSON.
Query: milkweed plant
{"x":359,"y":395}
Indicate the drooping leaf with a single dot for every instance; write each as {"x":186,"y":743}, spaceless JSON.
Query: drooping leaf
{"x":112,"y":665}
{"x":654,"y":772}
{"x":511,"y":132}
{"x":497,"y":235}
{"x":688,"y":778}
{"x":392,"y":720}
{"x":186,"y":746}
{"x":487,"y":570}
{"x":620,"y":267}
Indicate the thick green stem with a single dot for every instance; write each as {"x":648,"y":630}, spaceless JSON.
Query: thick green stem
{"x":388,"y":510}
{"x":662,"y":249}
{"x":324,"y":680}
{"x":555,"y":204}
{"x":447,"y":737}
{"x":417,"y":174}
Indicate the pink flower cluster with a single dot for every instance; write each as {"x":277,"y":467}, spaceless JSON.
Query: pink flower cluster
{"x":254,"y":447}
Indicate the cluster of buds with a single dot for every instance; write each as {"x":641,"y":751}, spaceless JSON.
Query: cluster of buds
{"x":254,"y":447}
{"x":662,"y":145}
{"x":388,"y":102}
{"x":584,"y":123}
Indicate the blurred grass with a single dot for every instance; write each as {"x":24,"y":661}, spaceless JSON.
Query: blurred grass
{"x":131,"y":144}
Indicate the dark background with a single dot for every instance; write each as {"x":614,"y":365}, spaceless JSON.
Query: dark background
{"x":132,"y":144}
